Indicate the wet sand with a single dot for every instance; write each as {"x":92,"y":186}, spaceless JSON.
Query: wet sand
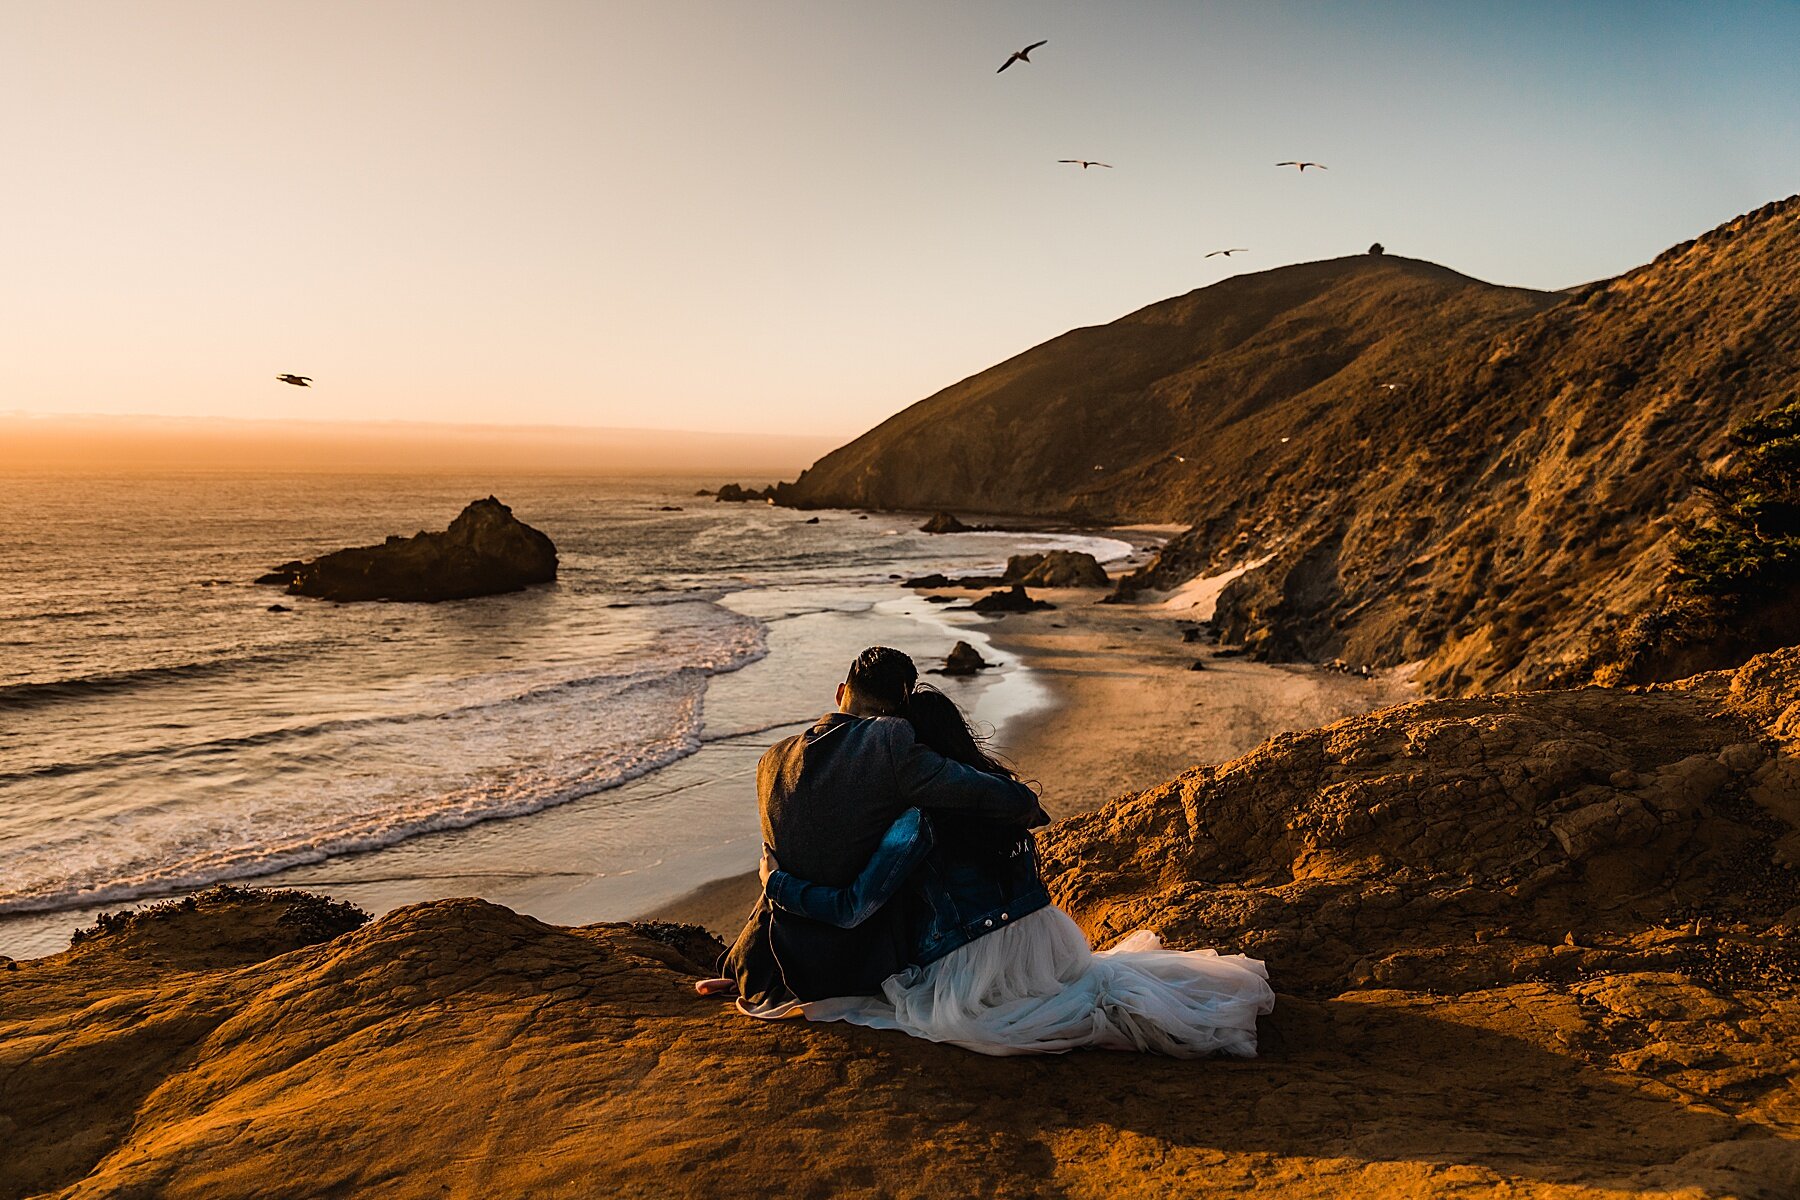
{"x":1122,"y":710}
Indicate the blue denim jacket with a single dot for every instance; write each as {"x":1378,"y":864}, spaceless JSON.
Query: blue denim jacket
{"x":963,"y":878}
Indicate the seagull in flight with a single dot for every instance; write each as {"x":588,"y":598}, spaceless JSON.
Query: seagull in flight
{"x":1303,"y":165}
{"x":1085,"y":163}
{"x":296,"y":380}
{"x":1023,"y":56}
{"x":1230,"y":252}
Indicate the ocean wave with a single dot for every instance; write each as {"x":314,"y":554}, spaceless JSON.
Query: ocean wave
{"x":181,"y":751}
{"x":76,"y":687}
{"x":164,"y":851}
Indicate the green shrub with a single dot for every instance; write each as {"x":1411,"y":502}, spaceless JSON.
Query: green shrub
{"x":1746,"y":545}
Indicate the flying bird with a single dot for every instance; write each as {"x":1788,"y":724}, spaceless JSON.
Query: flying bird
{"x":296,"y":380}
{"x":1230,"y":252}
{"x":1023,"y":56}
{"x":1303,"y":165}
{"x":1085,"y":163}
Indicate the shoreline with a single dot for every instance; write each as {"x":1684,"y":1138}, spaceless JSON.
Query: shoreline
{"x":1122,"y":710}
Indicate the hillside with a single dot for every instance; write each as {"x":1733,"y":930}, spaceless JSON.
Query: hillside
{"x":1522,"y":515}
{"x":1479,"y":478}
{"x":1537,"y":945}
{"x":1216,"y":377}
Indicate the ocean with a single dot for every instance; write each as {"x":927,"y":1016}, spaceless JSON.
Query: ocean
{"x":162,"y":730}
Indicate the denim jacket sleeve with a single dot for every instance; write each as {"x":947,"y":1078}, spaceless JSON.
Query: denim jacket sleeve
{"x":903,"y":847}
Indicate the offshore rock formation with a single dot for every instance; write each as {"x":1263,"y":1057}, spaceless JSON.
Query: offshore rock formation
{"x":1537,"y":945}
{"x":737,"y":494}
{"x":486,"y":551}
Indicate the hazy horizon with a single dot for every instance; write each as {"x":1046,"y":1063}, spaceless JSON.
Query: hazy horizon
{"x":805,"y":217}
{"x":134,"y":443}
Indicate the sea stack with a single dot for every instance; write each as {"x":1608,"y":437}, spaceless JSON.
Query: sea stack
{"x":485,"y":552}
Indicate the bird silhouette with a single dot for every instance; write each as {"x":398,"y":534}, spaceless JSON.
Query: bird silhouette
{"x":1230,"y":252}
{"x":1023,"y":56}
{"x":296,"y":380}
{"x":1303,"y":165}
{"x":1085,"y":163}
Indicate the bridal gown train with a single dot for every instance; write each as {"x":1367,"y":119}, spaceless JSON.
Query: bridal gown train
{"x":1037,"y":987}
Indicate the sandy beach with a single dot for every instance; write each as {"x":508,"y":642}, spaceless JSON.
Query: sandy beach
{"x":1123,"y":709}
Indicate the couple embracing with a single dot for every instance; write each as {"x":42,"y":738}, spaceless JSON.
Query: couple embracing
{"x":901,"y":891}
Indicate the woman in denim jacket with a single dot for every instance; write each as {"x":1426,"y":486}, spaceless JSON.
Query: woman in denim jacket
{"x":999,"y":969}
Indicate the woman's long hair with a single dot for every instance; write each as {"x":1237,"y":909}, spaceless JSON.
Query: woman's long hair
{"x":938,"y":723}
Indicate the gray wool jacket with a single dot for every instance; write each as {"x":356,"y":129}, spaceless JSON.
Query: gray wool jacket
{"x":829,"y":794}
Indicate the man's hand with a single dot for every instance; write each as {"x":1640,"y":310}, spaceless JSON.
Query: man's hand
{"x":768,"y":866}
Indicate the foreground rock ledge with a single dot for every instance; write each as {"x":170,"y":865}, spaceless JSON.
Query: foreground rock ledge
{"x":1536,"y":945}
{"x":485,"y":552}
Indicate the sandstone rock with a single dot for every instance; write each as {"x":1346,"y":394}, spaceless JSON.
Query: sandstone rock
{"x":485,"y":551}
{"x":1057,"y":568}
{"x":943,"y":522}
{"x":1010,"y":600}
{"x":963,"y":659}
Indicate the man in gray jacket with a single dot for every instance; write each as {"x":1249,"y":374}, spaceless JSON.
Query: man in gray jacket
{"x":827,"y":795}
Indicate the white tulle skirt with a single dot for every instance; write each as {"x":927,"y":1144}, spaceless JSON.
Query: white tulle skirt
{"x":1037,"y":987}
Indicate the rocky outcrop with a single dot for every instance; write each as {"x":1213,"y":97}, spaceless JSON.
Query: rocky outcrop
{"x":963,"y":659}
{"x":1014,"y":599}
{"x":733,"y":493}
{"x":1057,"y":568}
{"x":943,"y":522}
{"x":486,"y":551}
{"x":1465,"y":844}
{"x":1540,"y":945}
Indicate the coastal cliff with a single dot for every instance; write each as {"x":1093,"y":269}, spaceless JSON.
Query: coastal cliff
{"x":1533,"y":945}
{"x":1421,"y":467}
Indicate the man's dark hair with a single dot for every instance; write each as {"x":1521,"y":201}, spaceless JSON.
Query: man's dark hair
{"x":883,"y":676}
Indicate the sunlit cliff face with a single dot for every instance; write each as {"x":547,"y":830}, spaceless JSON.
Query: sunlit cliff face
{"x":150,"y":444}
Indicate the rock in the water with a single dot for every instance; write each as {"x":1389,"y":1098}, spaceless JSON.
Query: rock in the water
{"x":279,"y":608}
{"x":1058,"y":568}
{"x":485,"y":551}
{"x":943,"y":522}
{"x":1199,"y":665}
{"x":963,"y":659}
{"x":735,"y":494}
{"x":810,"y":521}
{"x":1008,"y":600}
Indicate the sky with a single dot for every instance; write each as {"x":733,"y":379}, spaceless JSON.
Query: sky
{"x":796,"y":217}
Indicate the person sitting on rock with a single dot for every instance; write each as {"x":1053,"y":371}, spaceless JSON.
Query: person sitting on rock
{"x":993,"y":965}
{"x":828,"y":797}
